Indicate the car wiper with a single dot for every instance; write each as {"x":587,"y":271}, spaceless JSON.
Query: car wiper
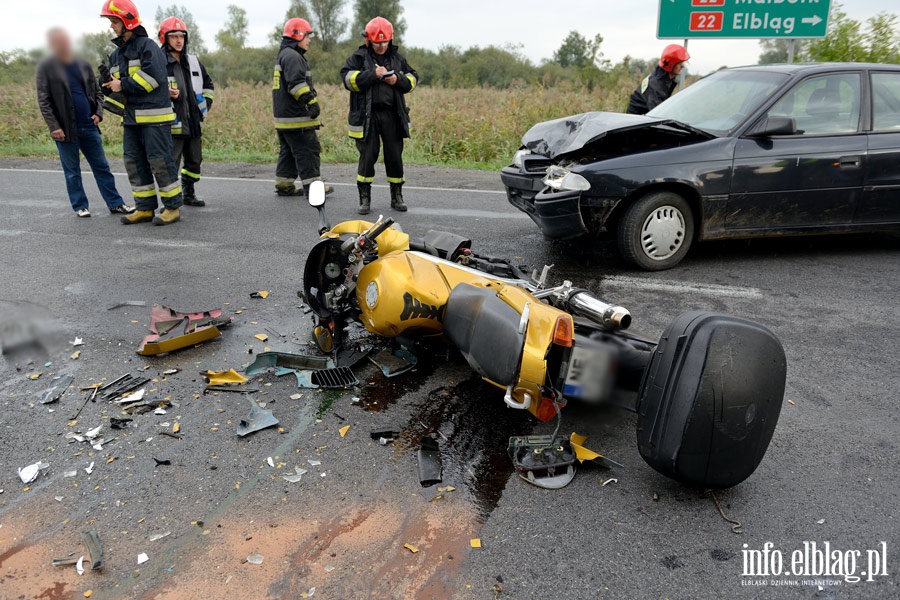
{"x":671,"y":123}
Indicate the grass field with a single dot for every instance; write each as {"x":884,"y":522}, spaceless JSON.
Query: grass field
{"x":470,"y":128}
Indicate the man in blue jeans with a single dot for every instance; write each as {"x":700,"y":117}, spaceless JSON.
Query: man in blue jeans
{"x":72,"y":105}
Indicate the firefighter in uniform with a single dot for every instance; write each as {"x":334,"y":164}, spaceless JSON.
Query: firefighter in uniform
{"x":659,"y":85}
{"x":138,"y":68}
{"x":191,"y":90}
{"x":379,"y":78}
{"x":296,"y":109}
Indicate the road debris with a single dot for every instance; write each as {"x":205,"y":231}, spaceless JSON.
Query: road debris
{"x":127,"y":303}
{"x":736,"y":526}
{"x":142,"y":558}
{"x":312,"y":372}
{"x":411,"y":548}
{"x":223,"y":378}
{"x":543,"y":460}
{"x":64,"y":562}
{"x":296,"y":477}
{"x":91,"y":540}
{"x":430,"y":467}
{"x":59,"y":386}
{"x":394,"y":363}
{"x":255,"y":559}
{"x":79,"y":565}
{"x":343,"y":430}
{"x":121,"y":386}
{"x":90,"y":468}
{"x":119,"y":423}
{"x":158,"y":536}
{"x":271,"y":462}
{"x":174,"y":330}
{"x":609,"y":481}
{"x":77,"y":342}
{"x":475,"y":542}
{"x":262,"y":337}
{"x":75,"y":355}
{"x":29,"y":473}
{"x":258,"y":419}
{"x":384,"y":437}
{"x":584,"y":454}
{"x":262,"y":295}
{"x":314,"y":463}
{"x":133,"y":397}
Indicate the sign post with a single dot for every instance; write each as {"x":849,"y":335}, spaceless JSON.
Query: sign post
{"x":720,"y":19}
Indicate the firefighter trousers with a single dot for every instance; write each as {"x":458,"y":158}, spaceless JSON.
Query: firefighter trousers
{"x":190,"y":150}
{"x":299,"y":157}
{"x":147,"y":150}
{"x":384,"y":128}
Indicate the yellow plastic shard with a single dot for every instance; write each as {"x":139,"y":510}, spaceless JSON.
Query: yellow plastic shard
{"x":475,"y":542}
{"x":224,"y":377}
{"x":584,"y":454}
{"x":262,"y":294}
{"x":411,"y":548}
{"x":75,"y":355}
{"x":343,"y":430}
{"x":261,"y":337}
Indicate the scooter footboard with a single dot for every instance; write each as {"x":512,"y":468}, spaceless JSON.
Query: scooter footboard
{"x":710,"y":399}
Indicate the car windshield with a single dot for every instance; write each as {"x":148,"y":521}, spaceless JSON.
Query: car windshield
{"x":720,"y":102}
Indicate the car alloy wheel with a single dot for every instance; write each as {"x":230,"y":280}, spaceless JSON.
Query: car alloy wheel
{"x":663,"y":233}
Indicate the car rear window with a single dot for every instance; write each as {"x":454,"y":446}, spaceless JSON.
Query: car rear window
{"x":886,"y":101}
{"x":722,"y":101}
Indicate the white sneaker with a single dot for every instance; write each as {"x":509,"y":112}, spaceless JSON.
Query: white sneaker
{"x":83,"y":213}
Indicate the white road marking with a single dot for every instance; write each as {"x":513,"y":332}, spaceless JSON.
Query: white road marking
{"x":683,"y":287}
{"x":272,"y":181}
{"x":179,"y":244}
{"x":464,"y":212}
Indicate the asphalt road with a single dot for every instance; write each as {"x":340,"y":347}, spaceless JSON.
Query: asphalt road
{"x":830,"y":474}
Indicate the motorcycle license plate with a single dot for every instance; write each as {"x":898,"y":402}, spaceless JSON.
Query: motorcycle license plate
{"x":590,"y":373}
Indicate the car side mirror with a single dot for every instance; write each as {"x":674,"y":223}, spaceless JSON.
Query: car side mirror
{"x":317,"y":194}
{"x":773,"y":126}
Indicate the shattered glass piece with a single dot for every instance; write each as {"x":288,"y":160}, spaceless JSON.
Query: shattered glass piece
{"x":77,"y":342}
{"x":257,"y":420}
{"x":58,"y":498}
{"x":142,"y":558}
{"x":329,"y":568}
{"x":70,"y":473}
{"x":133,"y":397}
{"x":79,"y":565}
{"x":171,"y":371}
{"x":160,"y":411}
{"x":57,"y":389}
{"x":270,"y":462}
{"x":298,"y":475}
{"x":255,"y":559}
{"x":89,"y":469}
{"x":92,"y":433}
{"x":158,"y":536}
{"x":314,"y":463}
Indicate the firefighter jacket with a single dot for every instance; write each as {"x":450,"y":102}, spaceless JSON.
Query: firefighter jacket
{"x":140,"y":64}
{"x":294,"y":101}
{"x":196,"y":88}
{"x":359,"y":77}
{"x":653,"y":91}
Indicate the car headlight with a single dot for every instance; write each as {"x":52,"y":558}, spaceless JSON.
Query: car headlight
{"x":559,"y":178}
{"x":517,"y":159}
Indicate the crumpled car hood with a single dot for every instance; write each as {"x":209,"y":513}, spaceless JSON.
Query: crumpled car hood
{"x":569,"y":134}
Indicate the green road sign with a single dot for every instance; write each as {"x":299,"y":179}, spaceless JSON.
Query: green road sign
{"x":686,"y":19}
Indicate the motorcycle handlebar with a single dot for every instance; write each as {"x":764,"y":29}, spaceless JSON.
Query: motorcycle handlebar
{"x":367,"y":239}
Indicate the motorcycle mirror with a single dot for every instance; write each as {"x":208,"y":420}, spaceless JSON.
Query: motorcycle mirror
{"x":317,"y":194}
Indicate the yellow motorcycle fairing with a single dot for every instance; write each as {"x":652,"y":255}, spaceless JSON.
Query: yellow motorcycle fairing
{"x":392,"y":240}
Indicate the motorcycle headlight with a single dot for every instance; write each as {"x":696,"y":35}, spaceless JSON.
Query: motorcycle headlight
{"x":559,"y":178}
{"x":517,"y":159}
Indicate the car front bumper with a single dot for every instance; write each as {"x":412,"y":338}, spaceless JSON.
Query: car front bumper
{"x":557,"y":214}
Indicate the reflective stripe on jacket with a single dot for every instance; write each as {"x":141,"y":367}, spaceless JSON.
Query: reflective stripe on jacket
{"x":359,"y":78}
{"x":293,"y":92}
{"x":140,"y":64}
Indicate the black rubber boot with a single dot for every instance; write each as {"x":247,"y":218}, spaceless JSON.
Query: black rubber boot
{"x":288,"y":190}
{"x":190,"y":196}
{"x":365,"y":197}
{"x":397,"y":202}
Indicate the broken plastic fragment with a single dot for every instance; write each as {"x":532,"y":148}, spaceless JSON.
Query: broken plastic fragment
{"x":224,"y":377}
{"x":609,"y":481}
{"x":329,"y":568}
{"x":270,"y":462}
{"x":158,"y":536}
{"x":75,"y":355}
{"x":296,"y":396}
{"x":55,"y":391}
{"x":79,"y":566}
{"x":30,"y":473}
{"x":314,"y":463}
{"x":430,"y":467}
{"x":255,"y":559}
{"x":91,"y":541}
{"x":583,"y":454}
{"x":447,"y":488}
{"x":142,"y":558}
{"x":257,"y":420}
{"x":89,"y":469}
{"x":343,"y":430}
{"x":159,"y":411}
{"x":133,"y":397}
{"x":77,"y":342}
{"x":70,"y":473}
{"x":174,"y":330}
{"x":58,"y":498}
{"x":260,"y":294}
{"x":411,"y":548}
{"x":475,"y":542}
{"x":299,"y":473}
{"x":92,"y":433}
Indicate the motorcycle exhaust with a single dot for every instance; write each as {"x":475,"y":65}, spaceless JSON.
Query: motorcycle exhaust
{"x":584,"y":304}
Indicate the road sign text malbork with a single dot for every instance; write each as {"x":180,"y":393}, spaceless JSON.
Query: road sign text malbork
{"x":685,"y":19}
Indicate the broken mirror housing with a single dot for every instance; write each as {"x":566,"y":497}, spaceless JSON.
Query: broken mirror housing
{"x":560,"y":178}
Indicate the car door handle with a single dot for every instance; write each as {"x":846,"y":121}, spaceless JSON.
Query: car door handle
{"x":849,"y":162}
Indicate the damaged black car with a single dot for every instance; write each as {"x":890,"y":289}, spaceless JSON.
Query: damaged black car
{"x":746,"y":152}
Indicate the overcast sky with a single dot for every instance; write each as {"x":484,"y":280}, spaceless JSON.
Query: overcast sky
{"x":537,"y":26}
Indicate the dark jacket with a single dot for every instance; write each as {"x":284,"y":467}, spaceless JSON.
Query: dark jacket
{"x":55,"y":97}
{"x":294,"y":101}
{"x":191,"y":105}
{"x":141,"y":66}
{"x":653,"y":91}
{"x":358,"y":76}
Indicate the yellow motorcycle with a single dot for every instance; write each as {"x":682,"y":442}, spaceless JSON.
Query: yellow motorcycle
{"x":708,"y":393}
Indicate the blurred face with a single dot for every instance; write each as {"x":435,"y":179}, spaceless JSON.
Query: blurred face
{"x":677,"y":69}
{"x":176,"y":41}
{"x":60,"y":44}
{"x":380,"y":48}
{"x":306,"y":41}
{"x":117,"y":26}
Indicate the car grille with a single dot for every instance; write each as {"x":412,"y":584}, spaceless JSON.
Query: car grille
{"x":535,"y":165}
